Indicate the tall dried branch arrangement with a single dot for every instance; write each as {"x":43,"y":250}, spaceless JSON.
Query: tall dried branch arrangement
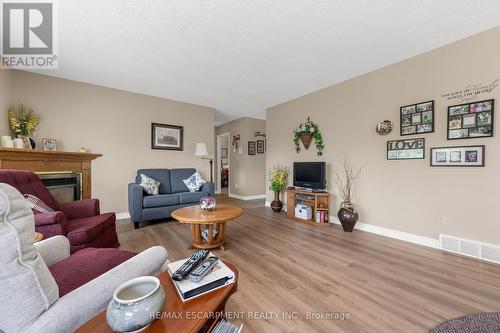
{"x":347,"y":180}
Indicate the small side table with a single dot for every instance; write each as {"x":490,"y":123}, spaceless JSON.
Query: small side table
{"x":38,"y":237}
{"x":197,"y":315}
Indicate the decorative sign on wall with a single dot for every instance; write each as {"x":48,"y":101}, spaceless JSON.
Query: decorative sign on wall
{"x":471,"y":92}
{"x":260,"y":147}
{"x":384,"y":127}
{"x":464,"y":156}
{"x":471,"y":120}
{"x":417,"y":118}
{"x":408,"y":149}
{"x":251,"y":147}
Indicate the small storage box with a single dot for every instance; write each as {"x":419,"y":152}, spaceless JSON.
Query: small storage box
{"x":303,"y":212}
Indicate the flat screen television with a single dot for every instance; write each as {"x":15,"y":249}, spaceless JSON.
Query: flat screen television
{"x":309,"y":175}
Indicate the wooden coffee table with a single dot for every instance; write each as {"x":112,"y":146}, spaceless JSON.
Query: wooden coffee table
{"x":197,"y":217}
{"x":196,"y":315}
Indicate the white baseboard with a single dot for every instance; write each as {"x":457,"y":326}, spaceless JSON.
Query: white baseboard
{"x":122,"y":216}
{"x":401,"y":235}
{"x":247,"y":197}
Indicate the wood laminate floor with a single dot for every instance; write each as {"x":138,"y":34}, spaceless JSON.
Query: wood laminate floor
{"x":292,"y":271}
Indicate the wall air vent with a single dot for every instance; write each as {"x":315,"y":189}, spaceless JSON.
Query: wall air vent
{"x":470,"y":248}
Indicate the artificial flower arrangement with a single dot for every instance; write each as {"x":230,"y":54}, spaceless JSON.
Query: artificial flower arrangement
{"x":208,"y":203}
{"x":22,"y":120}
{"x":278,"y":179}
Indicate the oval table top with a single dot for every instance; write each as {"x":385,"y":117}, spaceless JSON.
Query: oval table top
{"x":196,"y":215}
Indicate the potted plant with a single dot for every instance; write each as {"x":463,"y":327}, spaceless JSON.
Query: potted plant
{"x":347,"y":182}
{"x":306,"y":132}
{"x":278,"y":180}
{"x":23,"y":122}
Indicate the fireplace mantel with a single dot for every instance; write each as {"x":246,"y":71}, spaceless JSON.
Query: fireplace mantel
{"x":50,"y":161}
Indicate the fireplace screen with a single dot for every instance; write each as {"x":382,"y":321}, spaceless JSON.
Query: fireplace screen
{"x":64,"y":186}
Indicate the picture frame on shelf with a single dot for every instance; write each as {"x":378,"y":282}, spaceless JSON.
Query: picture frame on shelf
{"x":167,"y":137}
{"x":458,"y":156}
{"x":261,"y":147}
{"x":417,"y":118}
{"x":471,"y":120}
{"x":251,"y":147}
{"x":49,"y":144}
{"x":406,"y":149}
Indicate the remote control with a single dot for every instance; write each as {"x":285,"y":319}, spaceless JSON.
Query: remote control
{"x":186,"y":268}
{"x":203,"y":269}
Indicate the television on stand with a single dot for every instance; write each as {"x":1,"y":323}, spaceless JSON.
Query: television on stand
{"x":310,"y":176}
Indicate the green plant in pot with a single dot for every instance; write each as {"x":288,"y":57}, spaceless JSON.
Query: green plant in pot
{"x":278,"y":180}
{"x":306,"y":132}
{"x":347,"y":181}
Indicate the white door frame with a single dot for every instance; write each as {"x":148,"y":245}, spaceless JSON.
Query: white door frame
{"x":218,"y":162}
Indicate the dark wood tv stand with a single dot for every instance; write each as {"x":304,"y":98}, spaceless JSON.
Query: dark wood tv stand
{"x":318,"y":201}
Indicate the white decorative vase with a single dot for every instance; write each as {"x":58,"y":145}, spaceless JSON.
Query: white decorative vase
{"x":135,"y":303}
{"x":19,"y":143}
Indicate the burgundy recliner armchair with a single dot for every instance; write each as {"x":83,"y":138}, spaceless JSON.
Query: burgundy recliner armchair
{"x":80,"y":221}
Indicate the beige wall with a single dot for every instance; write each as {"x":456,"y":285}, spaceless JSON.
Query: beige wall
{"x":404,"y":195}
{"x":247,"y":172}
{"x":114,"y":123}
{"x":4,"y":100}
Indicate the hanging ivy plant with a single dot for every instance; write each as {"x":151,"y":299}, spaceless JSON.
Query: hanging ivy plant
{"x":306,"y":132}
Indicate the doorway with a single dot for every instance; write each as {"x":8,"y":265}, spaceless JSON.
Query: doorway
{"x":223,"y":164}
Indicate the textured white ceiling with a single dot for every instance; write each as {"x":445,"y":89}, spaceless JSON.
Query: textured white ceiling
{"x":242,"y":56}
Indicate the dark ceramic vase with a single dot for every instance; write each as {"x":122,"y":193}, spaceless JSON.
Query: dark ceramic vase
{"x":348,"y":217}
{"x":276,"y":204}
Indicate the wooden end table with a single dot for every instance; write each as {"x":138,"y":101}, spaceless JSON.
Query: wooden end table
{"x":197,"y":217}
{"x":196,"y":315}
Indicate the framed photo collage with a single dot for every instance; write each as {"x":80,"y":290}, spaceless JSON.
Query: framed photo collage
{"x":464,"y":121}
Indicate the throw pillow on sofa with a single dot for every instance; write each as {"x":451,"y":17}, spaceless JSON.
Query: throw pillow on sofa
{"x":150,"y":185}
{"x":195,"y":182}
{"x":37,"y":205}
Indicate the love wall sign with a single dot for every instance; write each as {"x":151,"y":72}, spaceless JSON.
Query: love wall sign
{"x":410,"y":149}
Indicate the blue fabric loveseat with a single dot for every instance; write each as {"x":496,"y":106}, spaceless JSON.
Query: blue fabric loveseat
{"x":173,"y":194}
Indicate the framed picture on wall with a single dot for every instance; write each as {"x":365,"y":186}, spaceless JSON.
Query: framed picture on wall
{"x":417,"y":118}
{"x":223,"y":153}
{"x":260,"y":147}
{"x":463,"y":156}
{"x":167,"y":137}
{"x":251,"y":147}
{"x":471,"y":120}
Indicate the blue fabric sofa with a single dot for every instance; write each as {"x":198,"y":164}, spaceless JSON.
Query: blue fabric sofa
{"x":173,"y":194}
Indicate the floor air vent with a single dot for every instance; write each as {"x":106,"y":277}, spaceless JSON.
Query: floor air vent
{"x":470,"y":248}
